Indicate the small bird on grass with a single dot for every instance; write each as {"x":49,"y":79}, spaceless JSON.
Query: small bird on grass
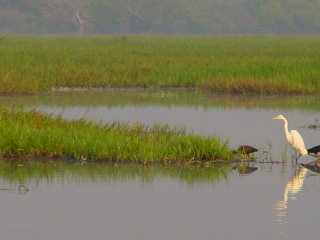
{"x":315,"y":151}
{"x":313,"y":166}
{"x":245,"y":149}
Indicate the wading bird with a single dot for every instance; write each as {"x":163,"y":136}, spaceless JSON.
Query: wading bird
{"x":313,"y":166}
{"x":245,"y":149}
{"x":294,"y":138}
{"x":315,"y":151}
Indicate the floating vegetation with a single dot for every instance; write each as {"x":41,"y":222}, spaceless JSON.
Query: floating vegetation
{"x":34,"y":134}
{"x":235,"y":64}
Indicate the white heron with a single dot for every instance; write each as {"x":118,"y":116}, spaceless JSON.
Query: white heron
{"x":294,"y":138}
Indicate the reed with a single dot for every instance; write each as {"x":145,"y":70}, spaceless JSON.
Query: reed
{"x":34,"y":134}
{"x":259,"y":64}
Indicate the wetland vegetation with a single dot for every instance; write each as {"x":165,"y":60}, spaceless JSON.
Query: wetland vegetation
{"x":41,"y":65}
{"x":33,"y":134}
{"x":235,"y":64}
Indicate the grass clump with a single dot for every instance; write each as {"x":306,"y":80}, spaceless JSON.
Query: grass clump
{"x":243,"y":64}
{"x":35,"y":134}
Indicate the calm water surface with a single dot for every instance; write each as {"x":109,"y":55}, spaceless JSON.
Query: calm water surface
{"x":108,"y":201}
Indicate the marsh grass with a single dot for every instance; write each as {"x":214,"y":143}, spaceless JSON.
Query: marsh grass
{"x":259,"y":64}
{"x":34,"y":134}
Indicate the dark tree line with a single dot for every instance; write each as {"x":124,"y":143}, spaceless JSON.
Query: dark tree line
{"x":160,"y":16}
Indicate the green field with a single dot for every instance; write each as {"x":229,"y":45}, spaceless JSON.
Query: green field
{"x":33,"y":134}
{"x":242,"y":64}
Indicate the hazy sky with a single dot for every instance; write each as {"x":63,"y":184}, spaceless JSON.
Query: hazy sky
{"x":160,"y":16}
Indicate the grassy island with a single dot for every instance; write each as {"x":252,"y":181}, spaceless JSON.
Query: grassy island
{"x":34,"y":134}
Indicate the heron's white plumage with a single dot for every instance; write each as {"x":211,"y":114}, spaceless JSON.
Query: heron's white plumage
{"x":297,"y":142}
{"x":293,"y":137}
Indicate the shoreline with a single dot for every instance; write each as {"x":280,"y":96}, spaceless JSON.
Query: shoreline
{"x":102,"y":89}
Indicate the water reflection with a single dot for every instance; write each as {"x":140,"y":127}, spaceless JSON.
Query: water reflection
{"x":32,"y":171}
{"x":291,"y":189}
{"x":245,"y":170}
{"x":164,"y":97}
{"x":313,"y":166}
{"x":152,"y":202}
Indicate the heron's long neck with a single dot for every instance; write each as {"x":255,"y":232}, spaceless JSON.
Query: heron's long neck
{"x":286,"y":130}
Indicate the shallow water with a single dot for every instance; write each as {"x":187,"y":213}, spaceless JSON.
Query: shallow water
{"x":110,"y":201}
{"x":238,"y":119}
{"x":82,"y":201}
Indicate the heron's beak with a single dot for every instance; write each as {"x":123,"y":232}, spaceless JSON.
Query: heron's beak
{"x":276,"y":117}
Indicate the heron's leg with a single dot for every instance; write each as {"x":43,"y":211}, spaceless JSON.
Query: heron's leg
{"x":298,"y":158}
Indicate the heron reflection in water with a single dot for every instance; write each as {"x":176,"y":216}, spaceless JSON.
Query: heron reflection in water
{"x":291,"y":189}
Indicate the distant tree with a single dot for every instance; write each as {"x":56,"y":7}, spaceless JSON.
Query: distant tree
{"x":160,"y":16}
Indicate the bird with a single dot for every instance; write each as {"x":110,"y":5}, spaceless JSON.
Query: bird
{"x":245,"y":149}
{"x":294,"y":138}
{"x":313,"y":166}
{"x":315,"y":151}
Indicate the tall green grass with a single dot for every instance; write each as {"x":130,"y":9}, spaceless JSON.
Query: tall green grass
{"x":260,"y":64}
{"x":35,"y":134}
